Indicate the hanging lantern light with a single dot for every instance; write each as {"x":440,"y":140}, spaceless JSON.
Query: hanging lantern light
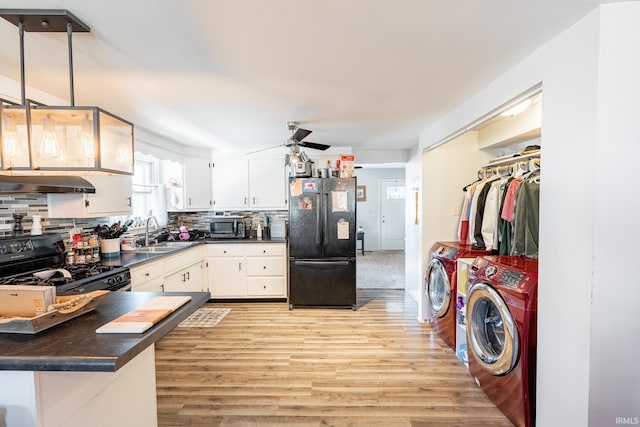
{"x":64,"y":138}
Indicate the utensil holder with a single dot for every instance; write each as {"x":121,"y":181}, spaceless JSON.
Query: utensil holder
{"x":110,"y":247}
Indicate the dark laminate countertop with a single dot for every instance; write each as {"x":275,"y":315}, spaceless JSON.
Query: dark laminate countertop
{"x":75,"y":346}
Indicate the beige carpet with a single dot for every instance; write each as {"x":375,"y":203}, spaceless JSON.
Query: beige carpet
{"x":204,"y":317}
{"x":380,"y":270}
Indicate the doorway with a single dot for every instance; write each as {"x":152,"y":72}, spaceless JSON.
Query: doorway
{"x":392,"y":208}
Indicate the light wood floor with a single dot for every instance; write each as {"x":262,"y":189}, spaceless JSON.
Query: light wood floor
{"x":264,"y":365}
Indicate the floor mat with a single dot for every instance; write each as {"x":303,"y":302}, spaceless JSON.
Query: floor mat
{"x":204,"y":317}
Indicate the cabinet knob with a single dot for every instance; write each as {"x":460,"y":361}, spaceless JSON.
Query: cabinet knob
{"x":264,"y":251}
{"x":264,"y":267}
{"x":146,"y":274}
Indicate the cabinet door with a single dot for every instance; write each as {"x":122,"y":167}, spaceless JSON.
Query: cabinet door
{"x":267,"y":183}
{"x":197,"y":183}
{"x":113,"y":194}
{"x":227,"y":277}
{"x":112,"y":197}
{"x":230,"y":184}
{"x":189,"y":279}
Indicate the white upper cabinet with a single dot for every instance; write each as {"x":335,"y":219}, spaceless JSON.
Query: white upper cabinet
{"x":112,"y":197}
{"x":267,"y":183}
{"x":231,"y":184}
{"x":249,"y":184}
{"x":197,"y":183}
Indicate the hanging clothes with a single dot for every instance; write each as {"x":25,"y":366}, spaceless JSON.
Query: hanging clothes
{"x":527,"y":217}
{"x":475,"y":220}
{"x":463,"y":226}
{"x":490,"y":221}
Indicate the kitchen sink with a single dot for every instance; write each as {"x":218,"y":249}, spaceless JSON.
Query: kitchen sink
{"x":155,"y":249}
{"x":164,"y":247}
{"x":173,"y":244}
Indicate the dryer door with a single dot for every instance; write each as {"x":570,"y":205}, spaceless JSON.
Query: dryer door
{"x":492,"y":335}
{"x":437,"y":288}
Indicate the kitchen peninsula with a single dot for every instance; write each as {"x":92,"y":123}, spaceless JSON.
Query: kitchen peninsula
{"x":70,"y":376}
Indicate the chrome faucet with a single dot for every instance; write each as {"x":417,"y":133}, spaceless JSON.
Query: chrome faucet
{"x":146,"y":229}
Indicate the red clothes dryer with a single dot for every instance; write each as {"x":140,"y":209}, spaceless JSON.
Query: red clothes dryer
{"x":501,"y":332}
{"x":440,"y":286}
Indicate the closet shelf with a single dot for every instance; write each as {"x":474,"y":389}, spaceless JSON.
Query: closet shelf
{"x":506,"y":160}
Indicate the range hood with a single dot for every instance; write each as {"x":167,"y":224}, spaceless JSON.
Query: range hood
{"x":45,"y":184}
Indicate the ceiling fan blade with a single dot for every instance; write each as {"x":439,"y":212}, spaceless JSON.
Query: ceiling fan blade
{"x":265,"y":149}
{"x":314,"y":145}
{"x":300,"y":134}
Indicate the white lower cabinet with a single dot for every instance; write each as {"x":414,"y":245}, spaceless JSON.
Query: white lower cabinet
{"x":180,"y":272}
{"x":148,"y":276}
{"x":189,"y":279}
{"x":250,"y":270}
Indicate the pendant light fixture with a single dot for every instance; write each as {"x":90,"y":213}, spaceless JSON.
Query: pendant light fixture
{"x":60,"y":138}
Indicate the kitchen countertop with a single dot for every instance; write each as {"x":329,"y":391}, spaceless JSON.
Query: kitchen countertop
{"x":131,"y":259}
{"x":75,"y":346}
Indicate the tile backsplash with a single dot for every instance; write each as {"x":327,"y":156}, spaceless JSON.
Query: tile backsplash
{"x":36,"y":204}
{"x":200,"y":220}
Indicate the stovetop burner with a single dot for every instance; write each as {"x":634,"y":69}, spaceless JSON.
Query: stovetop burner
{"x":42,"y":265}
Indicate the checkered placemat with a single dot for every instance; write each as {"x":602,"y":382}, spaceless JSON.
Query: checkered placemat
{"x":205,"y":317}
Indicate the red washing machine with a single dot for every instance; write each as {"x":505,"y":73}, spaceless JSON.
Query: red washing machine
{"x":501,"y":332}
{"x":440,"y":286}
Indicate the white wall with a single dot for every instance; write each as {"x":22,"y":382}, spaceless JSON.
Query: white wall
{"x":586,"y":252}
{"x":614,"y":383}
{"x":368,"y":212}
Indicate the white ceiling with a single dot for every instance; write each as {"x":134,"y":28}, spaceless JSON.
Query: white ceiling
{"x":370,"y":74}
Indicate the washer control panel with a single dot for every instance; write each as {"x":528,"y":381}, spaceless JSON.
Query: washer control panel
{"x":510,"y":278}
{"x":447,"y":252}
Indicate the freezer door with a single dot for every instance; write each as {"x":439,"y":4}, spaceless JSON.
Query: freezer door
{"x":322,"y":283}
{"x":305,"y":217}
{"x":339,"y":217}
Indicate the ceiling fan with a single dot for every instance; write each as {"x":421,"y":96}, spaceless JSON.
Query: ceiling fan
{"x":296,"y":140}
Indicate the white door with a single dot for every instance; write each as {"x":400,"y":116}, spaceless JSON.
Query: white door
{"x":392,"y":208}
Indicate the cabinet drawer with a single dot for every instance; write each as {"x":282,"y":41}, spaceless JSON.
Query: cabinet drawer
{"x":183,"y":259}
{"x":146,"y":272}
{"x":265,"y":286}
{"x":273,"y":249}
{"x":265,"y":267}
{"x":225,"y":250}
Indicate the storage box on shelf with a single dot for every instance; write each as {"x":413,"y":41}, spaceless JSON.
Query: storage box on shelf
{"x":462,"y":278}
{"x":256,"y":270}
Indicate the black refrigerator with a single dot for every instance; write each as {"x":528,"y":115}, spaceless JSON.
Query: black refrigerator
{"x":322,"y":242}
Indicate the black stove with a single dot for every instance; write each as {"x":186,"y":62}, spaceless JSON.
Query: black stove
{"x":39,"y":260}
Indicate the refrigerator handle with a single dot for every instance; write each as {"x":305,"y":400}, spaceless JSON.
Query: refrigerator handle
{"x":321,"y":262}
{"x":318,"y":209}
{"x":325,"y":219}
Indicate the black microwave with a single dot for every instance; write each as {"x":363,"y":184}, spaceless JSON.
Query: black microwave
{"x":228,"y":227}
